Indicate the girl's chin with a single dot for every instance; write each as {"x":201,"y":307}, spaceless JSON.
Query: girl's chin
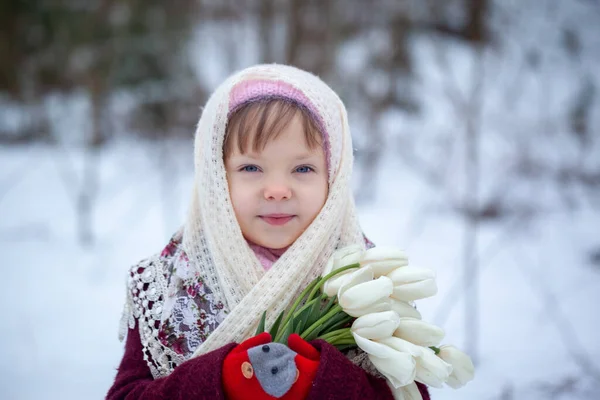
{"x":276,"y":243}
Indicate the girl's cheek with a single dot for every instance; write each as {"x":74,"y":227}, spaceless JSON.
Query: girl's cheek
{"x":244,"y":189}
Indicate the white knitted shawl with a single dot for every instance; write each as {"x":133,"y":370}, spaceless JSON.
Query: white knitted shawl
{"x":213,"y":240}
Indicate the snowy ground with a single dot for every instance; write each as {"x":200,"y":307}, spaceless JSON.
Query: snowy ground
{"x":61,"y":303}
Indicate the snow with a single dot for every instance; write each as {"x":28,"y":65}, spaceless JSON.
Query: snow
{"x":61,"y":302}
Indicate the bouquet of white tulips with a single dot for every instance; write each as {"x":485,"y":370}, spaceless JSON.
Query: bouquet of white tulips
{"x":365,"y":299}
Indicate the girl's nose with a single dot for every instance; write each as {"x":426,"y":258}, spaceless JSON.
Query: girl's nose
{"x":277,"y":192}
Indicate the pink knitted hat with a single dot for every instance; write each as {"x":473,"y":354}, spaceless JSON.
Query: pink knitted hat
{"x":253,"y":90}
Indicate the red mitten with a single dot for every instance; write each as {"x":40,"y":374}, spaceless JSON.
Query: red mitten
{"x":259,"y":369}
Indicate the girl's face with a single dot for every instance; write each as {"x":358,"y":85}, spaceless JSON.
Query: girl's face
{"x":277,"y":192}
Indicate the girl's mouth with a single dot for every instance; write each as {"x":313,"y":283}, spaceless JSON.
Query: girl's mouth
{"x":276,"y":219}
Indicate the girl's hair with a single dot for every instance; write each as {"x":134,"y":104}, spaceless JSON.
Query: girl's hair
{"x":255,"y":123}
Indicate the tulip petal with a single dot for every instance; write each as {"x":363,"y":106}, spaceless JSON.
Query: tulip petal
{"x":384,"y":267}
{"x":419,"y":332}
{"x":408,"y":392}
{"x":463,"y":370}
{"x":361,"y":275}
{"x":383,"y":253}
{"x":348,"y":259}
{"x":410,"y":274}
{"x":404,"y":309}
{"x":329,"y":266}
{"x":365,"y":293}
{"x":380,"y":306}
{"x":412,"y":392}
{"x":344,"y":256}
{"x":399,"y":368}
{"x":402,"y":345}
{"x":432,"y":370}
{"x":332,"y":285}
{"x":376,"y":325}
{"x":415,"y":290}
{"x":372,"y":347}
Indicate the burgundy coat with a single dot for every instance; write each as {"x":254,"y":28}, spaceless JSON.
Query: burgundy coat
{"x":200,"y":377}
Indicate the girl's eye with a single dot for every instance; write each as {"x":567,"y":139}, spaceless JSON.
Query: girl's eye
{"x":304,"y":169}
{"x":249,"y":168}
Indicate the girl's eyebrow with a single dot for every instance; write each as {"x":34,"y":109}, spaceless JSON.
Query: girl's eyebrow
{"x":253,"y":156}
{"x":304,"y":156}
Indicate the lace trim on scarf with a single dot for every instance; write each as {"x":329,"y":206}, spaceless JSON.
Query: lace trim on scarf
{"x":169,"y":339}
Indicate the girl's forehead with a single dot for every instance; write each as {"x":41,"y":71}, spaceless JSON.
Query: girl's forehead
{"x":255,"y":125}
{"x":292,"y":142}
{"x":281,"y":149}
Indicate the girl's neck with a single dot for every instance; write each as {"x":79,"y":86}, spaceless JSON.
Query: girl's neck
{"x":265,"y":255}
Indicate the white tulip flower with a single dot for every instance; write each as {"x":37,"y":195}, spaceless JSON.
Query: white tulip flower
{"x":332,"y":285}
{"x":404,"y":309}
{"x":432,"y":370}
{"x":408,"y":392}
{"x":398,"y":367}
{"x":384,"y":260}
{"x":402,"y":345}
{"x":376,"y":325}
{"x":341,"y":258}
{"x":412,"y":283}
{"x":362,"y":294}
{"x":344,"y":256}
{"x":463,"y":370}
{"x":419,"y":332}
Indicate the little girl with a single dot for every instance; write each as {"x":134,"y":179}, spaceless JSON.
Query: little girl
{"x":271,"y":202}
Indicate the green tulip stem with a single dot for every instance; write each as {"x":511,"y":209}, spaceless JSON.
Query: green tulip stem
{"x":308,"y":304}
{"x":330,"y":275}
{"x":312,"y":289}
{"x":304,"y":307}
{"x":295,"y":305}
{"x":334,"y":310}
{"x":330,"y":336}
{"x":435,"y":349}
{"x":343,"y":341}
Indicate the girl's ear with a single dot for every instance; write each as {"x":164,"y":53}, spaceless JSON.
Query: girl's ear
{"x":254,"y":341}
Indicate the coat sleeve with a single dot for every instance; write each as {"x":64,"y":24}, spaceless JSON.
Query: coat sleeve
{"x":198,"y":378}
{"x":338,"y":378}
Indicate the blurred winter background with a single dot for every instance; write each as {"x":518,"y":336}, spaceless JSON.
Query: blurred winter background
{"x":477,"y":135}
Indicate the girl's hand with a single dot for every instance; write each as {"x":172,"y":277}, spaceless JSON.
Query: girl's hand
{"x":261,"y":369}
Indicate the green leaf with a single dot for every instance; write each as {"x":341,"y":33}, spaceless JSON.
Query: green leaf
{"x":338,"y":321}
{"x":344,"y":347}
{"x":342,"y":323}
{"x":332,"y":336}
{"x":329,"y":325}
{"x":289,"y":329}
{"x":300,"y":320}
{"x":350,"y":342}
{"x":275,"y":327}
{"x":318,"y":324}
{"x":331,"y":275}
{"x":314,"y":313}
{"x":330,"y":304}
{"x":292,"y":309}
{"x":261,"y":325}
